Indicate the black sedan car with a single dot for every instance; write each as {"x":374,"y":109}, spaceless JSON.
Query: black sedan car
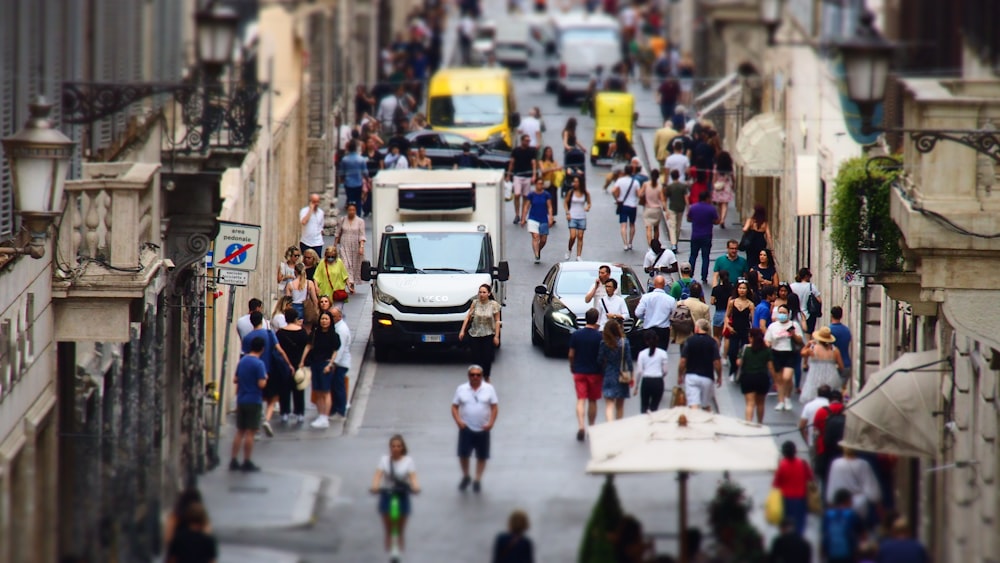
{"x":559,"y":305}
{"x":444,"y":148}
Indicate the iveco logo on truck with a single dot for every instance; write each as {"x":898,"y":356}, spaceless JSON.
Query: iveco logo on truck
{"x":432,"y":298}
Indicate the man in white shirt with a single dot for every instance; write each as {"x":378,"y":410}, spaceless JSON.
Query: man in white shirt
{"x":654,"y":310}
{"x":311,"y":219}
{"x":677,"y":161}
{"x":532,"y":127}
{"x":809,"y":413}
{"x":341,"y":362}
{"x":856,"y":475}
{"x":243,"y":324}
{"x":659,"y":261}
{"x":474,"y":408}
{"x":598,"y":291}
{"x":386,"y":110}
{"x":802,"y":287}
{"x":626,"y":192}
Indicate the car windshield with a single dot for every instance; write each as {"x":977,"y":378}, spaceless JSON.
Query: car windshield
{"x":590,"y":34}
{"x":579,"y":282}
{"x":466,"y":110}
{"x":435,"y":253}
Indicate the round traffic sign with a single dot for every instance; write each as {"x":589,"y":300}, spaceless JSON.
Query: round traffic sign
{"x":239,"y":258}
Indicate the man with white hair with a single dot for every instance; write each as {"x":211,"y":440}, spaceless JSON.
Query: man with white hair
{"x":474,"y":408}
{"x":699,"y":358}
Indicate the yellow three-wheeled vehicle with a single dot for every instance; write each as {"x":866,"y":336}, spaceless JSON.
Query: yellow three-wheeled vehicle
{"x":613,"y":112}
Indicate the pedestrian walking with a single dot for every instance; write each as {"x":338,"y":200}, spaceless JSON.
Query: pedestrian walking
{"x":659,"y":261}
{"x":351,"y":240}
{"x":678,"y":162}
{"x":626,"y":193}
{"x":762,"y":312}
{"x":721,"y":294}
{"x":615,"y":355}
{"x":588,"y":378}
{"x":612,"y":306}
{"x":758,"y":233}
{"x":531,"y":127}
{"x":599,"y":288}
{"x":806,"y":429}
{"x":577,"y":204}
{"x":842,"y":333}
{"x":825,"y":364}
{"x":514,"y":546}
{"x":286,"y":269}
{"x":828,"y":426}
{"x":790,"y":546}
{"x":311,"y":218}
{"x":276,"y":364}
{"x":353,"y":172}
{"x":396,"y":472}
{"x":792,"y":478}
{"x":703,"y":218}
{"x":300,"y":290}
{"x":651,"y":371}
{"x":682,"y":287}
{"x":805,"y":289}
{"x":474,"y":409}
{"x":539,"y":214}
{"x":482,"y":326}
{"x":722,"y":184}
{"x":192,"y":543}
{"x":856,"y":476}
{"x":662,"y":140}
{"x":251,"y":378}
{"x":667,"y":95}
{"x":522,"y":171}
{"x":654,"y":310}
{"x":176,"y":518}
{"x":651,"y":199}
{"x":901,"y":546}
{"x":676,"y":194}
{"x":784,"y":336}
{"x":756,"y":364}
{"x":332,"y":277}
{"x":243,"y":324}
{"x":699,"y":360}
{"x":842,"y":531}
{"x":341,"y":364}
{"x":310,"y":259}
{"x":293,"y":340}
{"x":687,"y":312}
{"x":739,"y":315}
{"x":764,"y":272}
{"x":320,"y":353}
{"x":730,"y":262}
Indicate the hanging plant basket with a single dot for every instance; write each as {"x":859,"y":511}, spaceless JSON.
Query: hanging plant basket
{"x":847,"y":219}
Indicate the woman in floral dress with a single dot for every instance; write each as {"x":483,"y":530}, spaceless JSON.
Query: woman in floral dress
{"x":351,"y":240}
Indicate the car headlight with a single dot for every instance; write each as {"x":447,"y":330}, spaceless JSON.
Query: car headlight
{"x":564,"y":317}
{"x":383,"y":296}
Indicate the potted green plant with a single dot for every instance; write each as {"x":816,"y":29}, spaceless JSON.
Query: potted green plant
{"x":596,"y":546}
{"x":736,"y":539}
{"x":856,"y":190}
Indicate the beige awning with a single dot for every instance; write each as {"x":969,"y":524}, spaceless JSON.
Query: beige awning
{"x":760,"y":146}
{"x":894,"y":412}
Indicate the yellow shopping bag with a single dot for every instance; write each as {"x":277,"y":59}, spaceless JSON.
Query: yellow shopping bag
{"x":774,"y":507}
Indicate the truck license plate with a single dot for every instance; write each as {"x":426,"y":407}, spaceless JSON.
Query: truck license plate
{"x":432,"y":338}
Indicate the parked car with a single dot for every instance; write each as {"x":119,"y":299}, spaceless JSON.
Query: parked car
{"x":443,"y":148}
{"x":558,"y":307}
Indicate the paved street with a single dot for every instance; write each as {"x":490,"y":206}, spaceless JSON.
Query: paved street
{"x":537,"y":465}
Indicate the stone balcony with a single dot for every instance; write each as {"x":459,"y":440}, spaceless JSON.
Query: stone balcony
{"x":108,"y":250}
{"x":946,"y":196}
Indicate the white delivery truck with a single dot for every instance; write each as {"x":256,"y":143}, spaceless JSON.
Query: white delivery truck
{"x":436,"y":240}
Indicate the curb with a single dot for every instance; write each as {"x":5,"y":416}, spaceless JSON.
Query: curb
{"x":364,"y":333}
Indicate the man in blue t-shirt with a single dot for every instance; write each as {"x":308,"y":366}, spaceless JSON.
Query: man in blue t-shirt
{"x":762,"y":313}
{"x":843,"y":342}
{"x":842,"y":530}
{"x":587,"y":377}
{"x":251,"y":377}
{"x":275,"y":362}
{"x":539,"y":218}
{"x":704,"y":217}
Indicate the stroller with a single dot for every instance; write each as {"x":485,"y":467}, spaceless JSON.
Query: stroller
{"x":575,"y":166}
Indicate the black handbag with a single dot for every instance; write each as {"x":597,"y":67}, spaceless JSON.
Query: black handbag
{"x":813,"y":306}
{"x":746,"y":241}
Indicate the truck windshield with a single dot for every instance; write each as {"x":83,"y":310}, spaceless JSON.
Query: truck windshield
{"x":467,"y":110}
{"x":435,"y":253}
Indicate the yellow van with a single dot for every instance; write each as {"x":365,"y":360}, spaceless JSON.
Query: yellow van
{"x":475,"y":102}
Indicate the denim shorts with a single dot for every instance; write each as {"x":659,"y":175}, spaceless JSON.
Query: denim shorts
{"x":719,"y":318}
{"x":578,"y":224}
{"x":404,"y":503}
{"x":627,"y":215}
{"x":538,"y":227}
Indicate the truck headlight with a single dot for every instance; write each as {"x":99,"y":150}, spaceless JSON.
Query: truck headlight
{"x":564,"y":317}
{"x":383,"y":296}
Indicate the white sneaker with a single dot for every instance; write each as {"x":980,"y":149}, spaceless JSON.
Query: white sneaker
{"x":566,"y":256}
{"x":321,"y":422}
{"x":301,"y":419}
{"x":779,"y":407}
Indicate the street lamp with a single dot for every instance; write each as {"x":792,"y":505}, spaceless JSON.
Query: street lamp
{"x":770,"y":16}
{"x":867,"y":261}
{"x":216,"y":36}
{"x":867,"y":57}
{"x":39,"y":157}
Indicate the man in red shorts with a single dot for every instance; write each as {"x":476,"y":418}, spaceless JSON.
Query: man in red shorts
{"x":583,"y":347}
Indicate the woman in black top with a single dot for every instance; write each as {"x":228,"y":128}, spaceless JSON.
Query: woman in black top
{"x":293,"y":340}
{"x":739,"y":315}
{"x":374,"y":164}
{"x":720,"y":299}
{"x":513,"y":546}
{"x":320,"y":353}
{"x":764,"y":272}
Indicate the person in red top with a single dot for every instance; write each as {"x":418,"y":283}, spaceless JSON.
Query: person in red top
{"x":824,"y":458}
{"x":792,"y":479}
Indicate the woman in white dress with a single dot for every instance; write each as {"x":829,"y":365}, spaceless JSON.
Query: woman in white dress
{"x":351,"y":240}
{"x":611,"y":307}
{"x":825,"y":364}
